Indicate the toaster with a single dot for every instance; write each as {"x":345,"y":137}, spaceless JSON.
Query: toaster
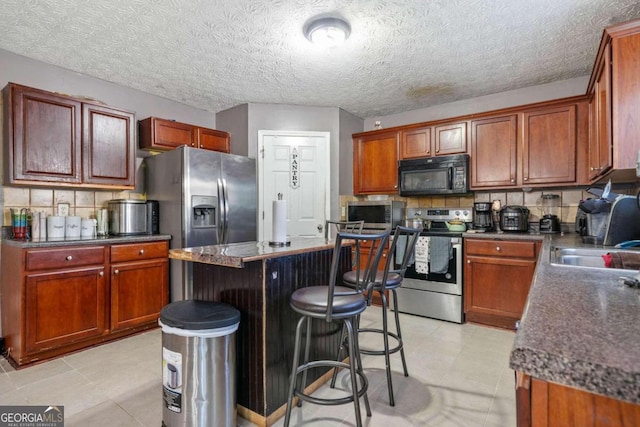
{"x":514,"y":218}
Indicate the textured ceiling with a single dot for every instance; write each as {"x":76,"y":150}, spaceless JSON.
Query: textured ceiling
{"x":401,"y":55}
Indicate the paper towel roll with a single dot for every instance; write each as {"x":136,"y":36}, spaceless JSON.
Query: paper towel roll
{"x":279,"y":221}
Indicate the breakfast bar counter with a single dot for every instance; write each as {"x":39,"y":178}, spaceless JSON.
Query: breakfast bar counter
{"x":259,"y":279}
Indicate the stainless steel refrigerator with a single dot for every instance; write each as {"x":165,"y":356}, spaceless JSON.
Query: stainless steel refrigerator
{"x":205,"y":198}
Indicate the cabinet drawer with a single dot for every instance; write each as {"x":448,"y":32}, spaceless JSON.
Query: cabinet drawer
{"x":519,"y":249}
{"x":139,"y":251}
{"x":64,"y":257}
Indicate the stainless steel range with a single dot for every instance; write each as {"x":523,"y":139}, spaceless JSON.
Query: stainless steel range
{"x":432,"y":286}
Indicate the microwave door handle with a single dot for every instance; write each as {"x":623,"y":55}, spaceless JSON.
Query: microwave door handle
{"x":450,"y":172}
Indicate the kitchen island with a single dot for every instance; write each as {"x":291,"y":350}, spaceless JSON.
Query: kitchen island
{"x":577,"y":351}
{"x":259,"y":279}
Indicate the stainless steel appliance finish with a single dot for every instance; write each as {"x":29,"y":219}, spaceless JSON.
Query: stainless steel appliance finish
{"x":376,"y":214}
{"x":434,"y":175}
{"x":437,"y":295}
{"x":205,"y":198}
{"x":127,"y":217}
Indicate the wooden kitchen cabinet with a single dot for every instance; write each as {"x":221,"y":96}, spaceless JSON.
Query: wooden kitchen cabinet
{"x":543,"y":403}
{"x":450,"y":138}
{"x":497,"y":278}
{"x":615,"y":112}
{"x":108,"y":145}
{"x":163,"y":135}
{"x":493,"y":151}
{"x":375,"y":163}
{"x":139,"y":283}
{"x":549,"y":146}
{"x":57,"y":140}
{"x":416,"y":143}
{"x":60,"y":299}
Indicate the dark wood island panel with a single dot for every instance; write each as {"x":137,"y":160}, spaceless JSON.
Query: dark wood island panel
{"x":265,"y":339}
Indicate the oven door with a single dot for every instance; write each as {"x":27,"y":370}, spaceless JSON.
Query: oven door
{"x":448,"y":283}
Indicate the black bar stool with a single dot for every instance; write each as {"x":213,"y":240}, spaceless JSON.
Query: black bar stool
{"x":334,"y":302}
{"x":400,"y":253}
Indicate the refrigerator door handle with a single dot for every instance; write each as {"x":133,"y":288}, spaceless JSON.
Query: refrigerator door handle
{"x":225,"y":211}
{"x":220,"y":225}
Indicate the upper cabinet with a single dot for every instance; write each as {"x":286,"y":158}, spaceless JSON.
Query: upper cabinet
{"x":375,"y":162}
{"x":451,"y":138}
{"x":162,"y":135}
{"x":430,"y":141}
{"x":614,"y":89}
{"x":56,"y":140}
{"x":493,"y":151}
{"x":549,"y":146}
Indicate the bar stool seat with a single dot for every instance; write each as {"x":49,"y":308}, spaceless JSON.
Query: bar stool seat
{"x":329,"y":303}
{"x":389,"y":279}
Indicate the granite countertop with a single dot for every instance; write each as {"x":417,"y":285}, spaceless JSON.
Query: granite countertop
{"x":236,"y":254}
{"x":580,"y":327}
{"x":109,"y":240}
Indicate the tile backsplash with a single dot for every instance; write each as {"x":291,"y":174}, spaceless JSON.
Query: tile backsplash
{"x":569,"y":200}
{"x":81,"y":203}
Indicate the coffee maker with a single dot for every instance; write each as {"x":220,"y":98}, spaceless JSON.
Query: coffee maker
{"x":549,"y":223}
{"x":482,"y":219}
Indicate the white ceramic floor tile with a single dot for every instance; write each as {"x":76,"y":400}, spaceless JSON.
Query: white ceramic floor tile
{"x":458,"y":376}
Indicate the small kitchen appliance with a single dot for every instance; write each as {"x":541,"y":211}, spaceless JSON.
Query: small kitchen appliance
{"x":482,"y":220}
{"x":376,"y":214}
{"x":129,"y":217}
{"x":549,"y":223}
{"x":434,"y":175}
{"x":514,"y":218}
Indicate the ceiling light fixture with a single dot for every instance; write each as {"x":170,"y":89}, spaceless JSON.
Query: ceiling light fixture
{"x":327,"y":31}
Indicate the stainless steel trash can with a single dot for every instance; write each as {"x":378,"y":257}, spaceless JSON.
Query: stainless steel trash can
{"x":198,"y":364}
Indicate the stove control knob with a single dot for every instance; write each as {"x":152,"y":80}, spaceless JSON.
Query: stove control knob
{"x":457,"y":213}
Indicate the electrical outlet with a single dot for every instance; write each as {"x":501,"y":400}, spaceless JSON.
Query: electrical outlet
{"x":344,"y":212}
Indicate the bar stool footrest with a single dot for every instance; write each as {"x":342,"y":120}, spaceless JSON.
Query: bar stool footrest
{"x":337,"y":401}
{"x":392,"y":350}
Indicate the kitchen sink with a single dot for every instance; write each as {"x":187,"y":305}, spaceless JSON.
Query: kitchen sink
{"x":589,"y":257}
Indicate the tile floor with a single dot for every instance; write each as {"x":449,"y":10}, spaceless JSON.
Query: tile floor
{"x":459,"y":376}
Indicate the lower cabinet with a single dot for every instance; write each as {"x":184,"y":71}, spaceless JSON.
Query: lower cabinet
{"x":497,"y":278}
{"x":543,"y":403}
{"x":58,"y":300}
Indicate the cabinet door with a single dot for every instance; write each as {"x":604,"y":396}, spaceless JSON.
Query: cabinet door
{"x":416,"y":143}
{"x":496,"y":289}
{"x":45,"y":141}
{"x":64,"y":307}
{"x":493,"y":152}
{"x":139,"y":290}
{"x":600,"y":145}
{"x":160,"y":134}
{"x":451,"y":139}
{"x":211,"y":139}
{"x":109,"y":146}
{"x":375,"y":164}
{"x":549,"y":146}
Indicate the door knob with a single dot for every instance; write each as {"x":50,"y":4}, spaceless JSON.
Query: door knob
{"x":319,"y":228}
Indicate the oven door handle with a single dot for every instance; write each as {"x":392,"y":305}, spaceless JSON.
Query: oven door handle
{"x":450,"y":174}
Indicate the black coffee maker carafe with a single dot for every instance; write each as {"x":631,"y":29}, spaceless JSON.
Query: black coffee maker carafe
{"x":482,"y":220}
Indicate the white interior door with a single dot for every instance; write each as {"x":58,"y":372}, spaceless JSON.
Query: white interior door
{"x":295,"y":164}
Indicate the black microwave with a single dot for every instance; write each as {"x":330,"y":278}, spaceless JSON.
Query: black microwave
{"x":434,"y":175}
{"x":376,"y":214}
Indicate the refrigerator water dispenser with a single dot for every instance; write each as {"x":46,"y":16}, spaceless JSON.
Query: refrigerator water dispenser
{"x":203,"y":211}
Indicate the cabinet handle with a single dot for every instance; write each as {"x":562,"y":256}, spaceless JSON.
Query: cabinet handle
{"x":498,"y":248}
{"x":116,"y":271}
{"x":526,"y":178}
{"x":69,"y":258}
{"x":513,"y":180}
{"x":468,"y":261}
{"x":141,"y":252}
{"x":101,"y":274}
{"x":592,"y":168}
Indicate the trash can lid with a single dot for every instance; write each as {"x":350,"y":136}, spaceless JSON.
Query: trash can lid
{"x":195,"y":314}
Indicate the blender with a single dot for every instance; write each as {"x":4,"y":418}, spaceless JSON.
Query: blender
{"x":549,"y":223}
